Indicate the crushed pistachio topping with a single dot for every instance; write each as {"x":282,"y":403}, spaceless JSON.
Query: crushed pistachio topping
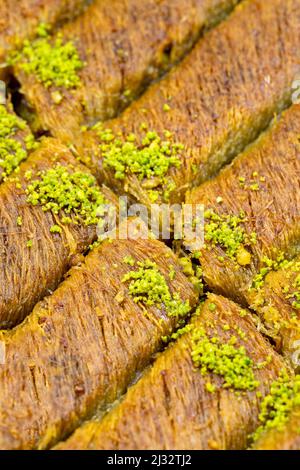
{"x":148,"y":286}
{"x":296,"y":293}
{"x":292,"y":289}
{"x":129,"y":260}
{"x":64,"y":189}
{"x":187,"y":266}
{"x":9,"y":123}
{"x":224,"y":359}
{"x":52,"y":60}
{"x":288,"y":283}
{"x":211,"y":388}
{"x":12,"y":153}
{"x":243,"y":313}
{"x":149,"y":159}
{"x":95,"y":244}
{"x":55,"y":229}
{"x":181,"y":331}
{"x":268,"y":265}
{"x":28,"y":175}
{"x":193,"y":272}
{"x":253,"y":184}
{"x":276,"y":407}
{"x":172,"y":273}
{"x":228,"y":232}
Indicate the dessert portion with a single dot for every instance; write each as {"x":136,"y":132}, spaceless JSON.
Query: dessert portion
{"x":279,"y":416}
{"x":93,"y":67}
{"x":20,"y":21}
{"x":79,"y":349}
{"x":203,"y":392}
{"x":207,"y":109}
{"x":251,"y":214}
{"x":112,"y":338}
{"x":49,"y":212}
{"x":276,"y":300}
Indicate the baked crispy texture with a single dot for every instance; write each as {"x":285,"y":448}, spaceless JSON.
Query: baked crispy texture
{"x":170,"y":407}
{"x":221,"y":96}
{"x":286,"y":439}
{"x":125,"y":44}
{"x":272,"y":211}
{"x":275,"y":304}
{"x":20,"y":20}
{"x":81,"y":347}
{"x":27,"y":274}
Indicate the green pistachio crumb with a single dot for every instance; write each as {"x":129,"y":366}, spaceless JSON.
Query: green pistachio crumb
{"x":9,"y":123}
{"x":211,"y":388}
{"x":276,"y":407}
{"x":53,"y":61}
{"x":55,"y":229}
{"x":19,"y":221}
{"x":29,"y":243}
{"x":228,"y":232}
{"x":149,"y":158}
{"x":196,"y":254}
{"x":240,"y":332}
{"x":63,"y":188}
{"x":187,"y":266}
{"x":177,"y":334}
{"x":268,"y":265}
{"x":66,"y":220}
{"x":129,"y":260}
{"x":28,"y":175}
{"x":172,"y":273}
{"x":253,"y":183}
{"x":30,"y":142}
{"x":226,"y":327}
{"x":96,"y":244}
{"x":254,"y":187}
{"x":292,"y":288}
{"x":153,"y":195}
{"x":12,"y":153}
{"x":194,"y":168}
{"x":43,"y":30}
{"x":148,"y":286}
{"x":212,"y":355}
{"x":167,"y":134}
